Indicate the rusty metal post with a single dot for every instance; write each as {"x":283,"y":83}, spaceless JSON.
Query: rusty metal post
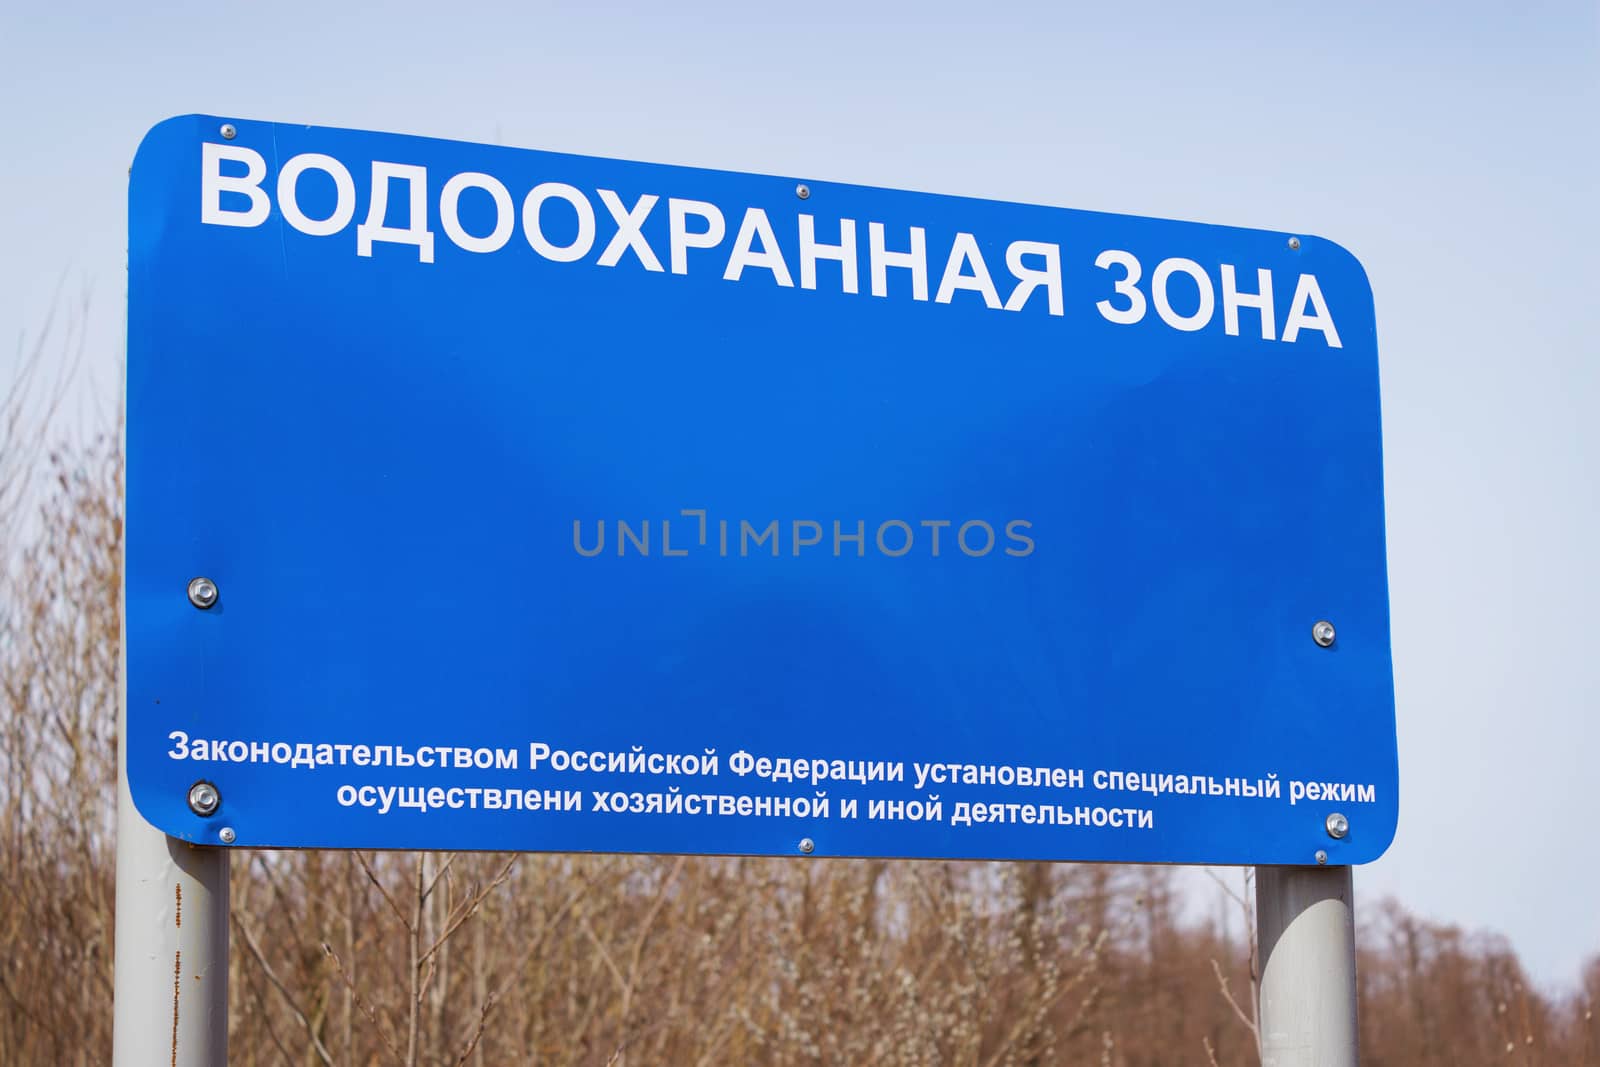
{"x":171,"y":967}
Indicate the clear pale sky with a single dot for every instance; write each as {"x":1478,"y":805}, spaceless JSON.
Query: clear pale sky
{"x":1453,"y":148}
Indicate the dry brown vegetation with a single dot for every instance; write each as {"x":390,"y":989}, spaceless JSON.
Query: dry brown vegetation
{"x":471,"y":959}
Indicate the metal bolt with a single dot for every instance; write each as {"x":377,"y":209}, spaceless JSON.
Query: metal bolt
{"x":807,"y":845}
{"x":1322,"y":858}
{"x":1323,"y":633}
{"x":228,"y":132}
{"x":202,"y":593}
{"x":227,"y":835}
{"x":204,"y":798}
{"x":803,"y":191}
{"x":1294,"y":243}
{"x":1338,"y":826}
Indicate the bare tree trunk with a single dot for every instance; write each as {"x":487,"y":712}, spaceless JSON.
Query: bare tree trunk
{"x":435,"y":923}
{"x":347,"y":1021}
{"x":480,"y":976}
{"x":414,"y":1005}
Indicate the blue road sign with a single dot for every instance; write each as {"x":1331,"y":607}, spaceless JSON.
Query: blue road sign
{"x":556,"y":503}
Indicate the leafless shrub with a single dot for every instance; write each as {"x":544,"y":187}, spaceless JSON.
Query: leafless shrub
{"x":60,"y":540}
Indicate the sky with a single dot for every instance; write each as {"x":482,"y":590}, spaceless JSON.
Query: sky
{"x":1452,"y":148}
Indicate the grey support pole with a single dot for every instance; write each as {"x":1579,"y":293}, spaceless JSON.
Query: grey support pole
{"x":1305,"y":923}
{"x":171,"y":981}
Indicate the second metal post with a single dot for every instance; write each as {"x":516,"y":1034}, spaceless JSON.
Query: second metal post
{"x":1305,"y":923}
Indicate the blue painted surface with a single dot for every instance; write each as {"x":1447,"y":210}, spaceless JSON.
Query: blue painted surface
{"x":380,"y":462}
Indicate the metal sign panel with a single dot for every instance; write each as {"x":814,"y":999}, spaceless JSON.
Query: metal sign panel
{"x":554,"y":503}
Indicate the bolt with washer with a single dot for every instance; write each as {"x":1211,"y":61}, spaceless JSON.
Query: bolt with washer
{"x":203,"y":593}
{"x":1323,"y":633}
{"x":1338,"y":826}
{"x":204,"y":798}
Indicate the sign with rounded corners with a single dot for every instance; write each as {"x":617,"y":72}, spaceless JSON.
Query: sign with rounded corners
{"x":486,"y":498}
